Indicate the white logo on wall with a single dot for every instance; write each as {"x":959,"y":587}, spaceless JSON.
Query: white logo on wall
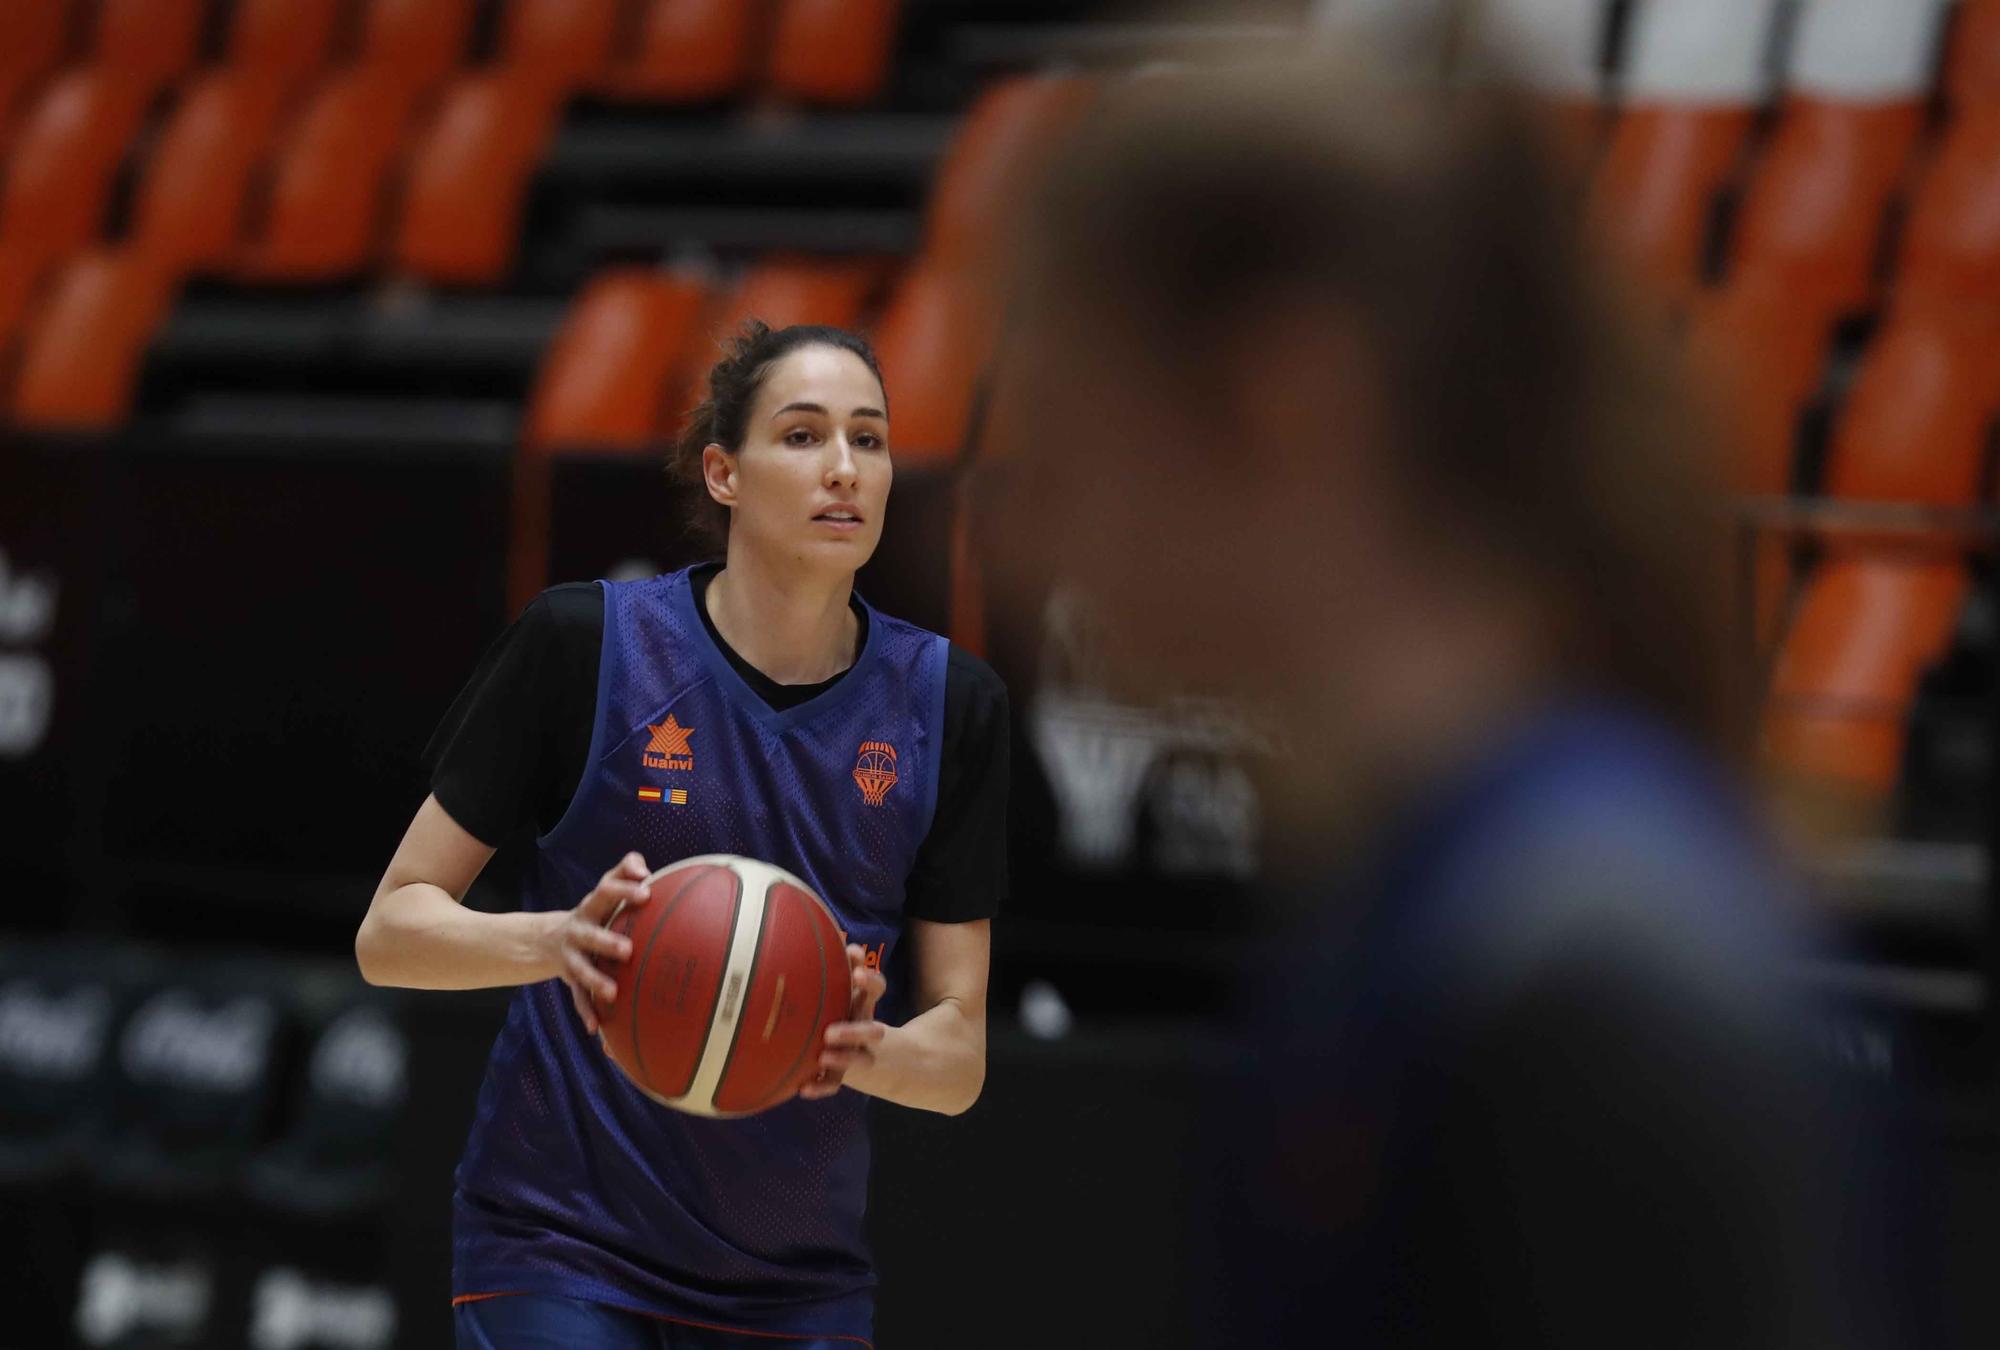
{"x":1109,"y":764}
{"x":1208,"y":816}
{"x":174,"y":1040}
{"x":27,"y":700}
{"x":120,"y":1295}
{"x":361,"y":1058}
{"x":53,"y":1036}
{"x":1097,"y":754}
{"x":290,"y":1312}
{"x":27,"y":606}
{"x":27,"y":686}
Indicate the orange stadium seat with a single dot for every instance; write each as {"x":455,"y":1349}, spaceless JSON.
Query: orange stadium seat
{"x":789,"y":290}
{"x":560,"y":42}
{"x":20,"y":275}
{"x":1812,"y":219}
{"x":604,"y":379}
{"x":686,"y":51}
{"x":189,"y":210}
{"x":31,"y":43}
{"x":80,"y":357}
{"x":1951,"y":246}
{"x":1654,"y":194}
{"x":151,"y":41}
{"x":601,"y":387}
{"x":1972,"y":61}
{"x":468,"y":175}
{"x":283,"y":40}
{"x":834,"y":52}
{"x":1007,"y":130}
{"x":324,"y":213}
{"x":781,"y":291}
{"x":1762,"y":354}
{"x":420,"y":41}
{"x":933,"y":342}
{"x":1916,"y":424}
{"x":58,"y":179}
{"x":1847,"y":675}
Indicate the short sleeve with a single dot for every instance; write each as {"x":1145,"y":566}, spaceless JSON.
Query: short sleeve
{"x":961,"y":869}
{"x":508,"y":753}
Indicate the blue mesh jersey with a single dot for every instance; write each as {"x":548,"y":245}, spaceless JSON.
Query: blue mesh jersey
{"x":574,"y":1183}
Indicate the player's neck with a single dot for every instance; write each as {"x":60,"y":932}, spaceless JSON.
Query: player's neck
{"x":795,"y":628}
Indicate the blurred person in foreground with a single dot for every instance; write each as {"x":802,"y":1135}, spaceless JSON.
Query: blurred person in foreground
{"x":1304,"y":387}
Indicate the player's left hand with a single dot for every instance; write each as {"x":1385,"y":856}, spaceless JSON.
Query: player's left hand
{"x":851,"y":1042}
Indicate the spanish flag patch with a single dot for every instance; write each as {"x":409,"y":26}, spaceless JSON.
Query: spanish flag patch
{"x":649,"y":794}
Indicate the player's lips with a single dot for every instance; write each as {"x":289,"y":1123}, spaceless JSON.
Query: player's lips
{"x":840,"y":517}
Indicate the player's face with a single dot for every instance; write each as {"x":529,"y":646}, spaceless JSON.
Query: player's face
{"x":812,"y":478}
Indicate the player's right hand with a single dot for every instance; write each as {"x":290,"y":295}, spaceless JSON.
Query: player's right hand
{"x":577,"y":938}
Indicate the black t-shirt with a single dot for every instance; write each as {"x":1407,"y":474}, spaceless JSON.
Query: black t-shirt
{"x":542,"y":673}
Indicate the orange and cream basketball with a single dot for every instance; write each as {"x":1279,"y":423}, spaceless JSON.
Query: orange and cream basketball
{"x":737,"y":969}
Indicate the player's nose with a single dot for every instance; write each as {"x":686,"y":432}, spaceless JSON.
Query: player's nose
{"x":841,"y":467}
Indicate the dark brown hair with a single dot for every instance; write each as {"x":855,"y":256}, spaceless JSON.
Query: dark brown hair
{"x":720,"y":419}
{"x":1526,"y":416}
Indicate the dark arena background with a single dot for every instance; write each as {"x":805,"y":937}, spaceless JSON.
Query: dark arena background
{"x":333,"y":330}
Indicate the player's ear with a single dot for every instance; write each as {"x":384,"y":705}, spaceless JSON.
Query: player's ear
{"x":718,"y":471}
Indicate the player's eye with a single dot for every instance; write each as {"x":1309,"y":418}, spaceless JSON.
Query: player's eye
{"x":800,"y":436}
{"x":867,"y":440}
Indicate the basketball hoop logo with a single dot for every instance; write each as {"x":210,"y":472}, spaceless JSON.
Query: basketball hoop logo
{"x":875,"y":771}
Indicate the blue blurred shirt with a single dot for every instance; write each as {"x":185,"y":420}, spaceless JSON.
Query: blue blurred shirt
{"x":1535,"y":1073}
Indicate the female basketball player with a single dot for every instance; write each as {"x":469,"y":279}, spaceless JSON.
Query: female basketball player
{"x":587,"y":1214}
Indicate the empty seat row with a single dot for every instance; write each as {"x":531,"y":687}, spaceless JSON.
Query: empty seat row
{"x":610,"y":377}
{"x":1852,"y":195}
{"x":78,"y":130}
{"x":207,"y":1150}
{"x":624,"y":357}
{"x":172,"y":1081}
{"x":262,"y":170}
{"x":152,"y":43}
{"x":146,"y":42}
{"x":828,"y":52}
{"x":1815,"y":207}
{"x":631,"y":355}
{"x":1914,"y":423}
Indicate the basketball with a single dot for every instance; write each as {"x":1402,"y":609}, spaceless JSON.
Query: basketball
{"x":736,"y":971}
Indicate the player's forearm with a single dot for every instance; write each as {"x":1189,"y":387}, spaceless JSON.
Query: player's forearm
{"x":419,"y":937}
{"x":934,"y":1062}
